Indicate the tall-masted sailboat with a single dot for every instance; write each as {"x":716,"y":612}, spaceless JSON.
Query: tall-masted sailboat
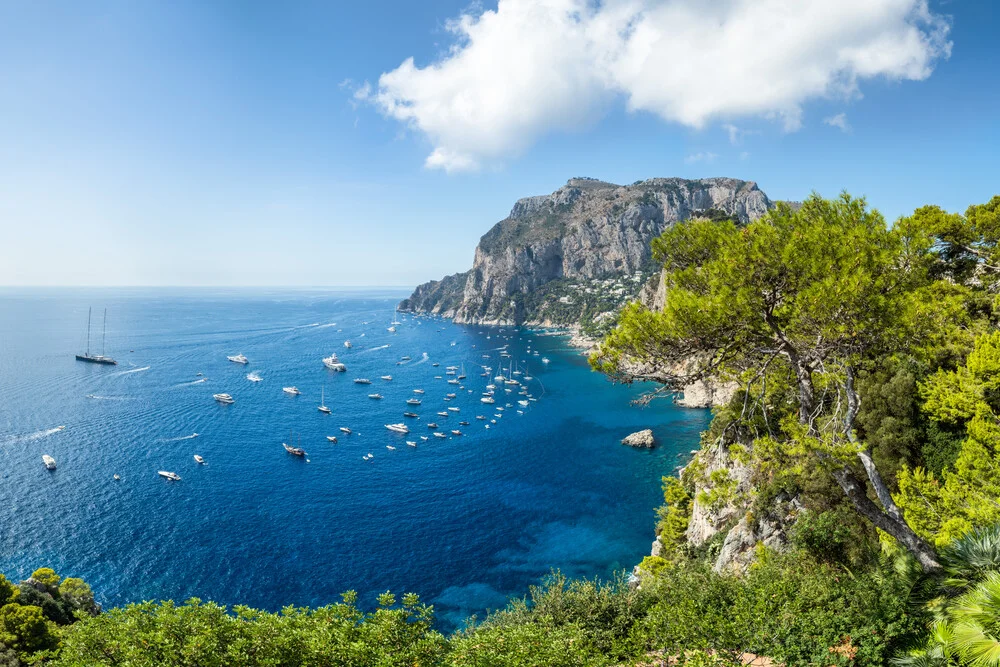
{"x":97,"y":358}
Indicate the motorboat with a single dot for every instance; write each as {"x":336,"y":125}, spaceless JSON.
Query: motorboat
{"x":398,"y":428}
{"x":411,"y":443}
{"x":346,"y":430}
{"x":442,"y":414}
{"x":487,"y":399}
{"x":523,"y":404}
{"x":347,"y":344}
{"x":432,"y":425}
{"x":456,"y":432}
{"x":331,"y":438}
{"x":411,"y":415}
{"x":225,"y":399}
{"x":435,"y":364}
{"x":481,"y":417}
{"x":418,"y":391}
{"x":293,"y":391}
{"x":387,"y":378}
{"x":440,"y":435}
{"x":199,"y":459}
{"x":413,"y":401}
{"x":334,"y":364}
{"x":172,"y":476}
{"x":254,"y":377}
{"x":50,"y":463}
{"x":453,"y":409}
{"x":390,"y":447}
{"x":545,"y":360}
{"x":238,"y":359}
{"x":362,"y":381}
{"x":377,"y":397}
{"x":463,"y":423}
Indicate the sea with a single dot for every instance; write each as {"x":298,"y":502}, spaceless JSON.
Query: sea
{"x":465,"y":521}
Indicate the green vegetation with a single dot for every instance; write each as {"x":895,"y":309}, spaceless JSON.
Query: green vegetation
{"x":868,"y":367}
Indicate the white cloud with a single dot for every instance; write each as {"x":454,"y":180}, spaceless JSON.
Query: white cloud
{"x":840,"y":120}
{"x":531,"y":67}
{"x":703,"y":156}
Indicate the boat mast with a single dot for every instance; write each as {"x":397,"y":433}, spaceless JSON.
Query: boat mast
{"x":89,"y":311}
{"x":104,"y":330}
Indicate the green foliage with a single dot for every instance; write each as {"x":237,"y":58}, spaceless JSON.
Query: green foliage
{"x":944,"y":507}
{"x":47,"y":577}
{"x":7,"y":590}
{"x":674,"y":514}
{"x":832,"y":536}
{"x":206,"y":634}
{"x":24,"y":628}
{"x":789,"y":608}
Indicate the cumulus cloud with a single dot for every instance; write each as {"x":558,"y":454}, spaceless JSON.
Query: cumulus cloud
{"x":840,"y":120}
{"x":531,"y":67}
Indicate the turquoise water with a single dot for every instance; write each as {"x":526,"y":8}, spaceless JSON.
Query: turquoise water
{"x":463,"y":521}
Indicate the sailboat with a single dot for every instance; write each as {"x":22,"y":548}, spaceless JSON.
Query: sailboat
{"x":97,"y":358}
{"x":322,"y":402}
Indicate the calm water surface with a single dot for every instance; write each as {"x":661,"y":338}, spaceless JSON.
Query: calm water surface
{"x":463,"y":521}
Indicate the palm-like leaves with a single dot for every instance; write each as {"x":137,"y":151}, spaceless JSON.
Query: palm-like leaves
{"x":975,"y":620}
{"x":971,"y":558}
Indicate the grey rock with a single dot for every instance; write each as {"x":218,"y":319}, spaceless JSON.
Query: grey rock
{"x":643,"y":439}
{"x":585,"y":229}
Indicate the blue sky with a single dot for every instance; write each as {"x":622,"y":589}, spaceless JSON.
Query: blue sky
{"x":254,"y":143}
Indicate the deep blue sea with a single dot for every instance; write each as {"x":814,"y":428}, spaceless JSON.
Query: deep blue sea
{"x":464,"y":521}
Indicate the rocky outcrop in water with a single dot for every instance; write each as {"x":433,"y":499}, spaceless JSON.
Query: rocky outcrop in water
{"x":643,"y":439}
{"x":587,"y":230}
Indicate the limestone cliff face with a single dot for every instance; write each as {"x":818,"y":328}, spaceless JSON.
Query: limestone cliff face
{"x":587,"y":229}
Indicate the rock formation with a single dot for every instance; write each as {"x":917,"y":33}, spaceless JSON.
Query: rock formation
{"x":643,"y":439}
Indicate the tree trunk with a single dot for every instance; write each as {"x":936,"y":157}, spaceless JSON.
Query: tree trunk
{"x":898,"y":528}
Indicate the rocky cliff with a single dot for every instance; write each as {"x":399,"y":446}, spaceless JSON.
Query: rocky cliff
{"x":578,"y":252}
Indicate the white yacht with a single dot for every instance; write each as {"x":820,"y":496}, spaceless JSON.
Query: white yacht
{"x":225,"y":399}
{"x":440,"y":435}
{"x":293,"y":391}
{"x":523,"y":404}
{"x":238,"y":359}
{"x":331,"y":438}
{"x":334,"y":364}
{"x":453,"y":409}
{"x":362,"y":381}
{"x":398,"y":428}
{"x":387,"y":378}
{"x":377,"y":397}
{"x":418,"y":391}
{"x":172,"y":476}
{"x":322,"y":402}
{"x":50,"y":463}
{"x":487,"y":399}
{"x":346,"y":430}
{"x":199,"y":459}
{"x":413,"y":401}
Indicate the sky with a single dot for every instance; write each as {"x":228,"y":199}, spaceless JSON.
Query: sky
{"x":300,"y":143}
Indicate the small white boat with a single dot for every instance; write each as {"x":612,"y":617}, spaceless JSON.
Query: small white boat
{"x":225,"y":399}
{"x":117,"y":477}
{"x":411,"y":443}
{"x":199,"y":459}
{"x":391,"y":329}
{"x":347,"y":344}
{"x":238,"y":359}
{"x":413,"y":401}
{"x":377,"y":397}
{"x":387,"y":378}
{"x":440,"y":435}
{"x":254,"y":377}
{"x":293,"y":391}
{"x":523,"y":404}
{"x":424,"y":437}
{"x":442,"y":414}
{"x":362,"y":381}
{"x":398,"y":428}
{"x":172,"y":476}
{"x":334,"y":364}
{"x":453,"y":409}
{"x":346,"y":430}
{"x":545,"y":360}
{"x":50,"y":463}
{"x":331,"y":438}
{"x":405,"y":358}
{"x":368,"y":457}
{"x":418,"y":391}
{"x":390,"y":447}
{"x":456,"y":432}
{"x":487,"y":399}
{"x":432,"y":425}
{"x":481,"y":417}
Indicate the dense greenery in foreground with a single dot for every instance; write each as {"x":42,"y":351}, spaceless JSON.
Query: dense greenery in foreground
{"x":868,"y":366}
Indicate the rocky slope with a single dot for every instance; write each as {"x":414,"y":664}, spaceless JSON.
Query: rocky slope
{"x":575,"y":253}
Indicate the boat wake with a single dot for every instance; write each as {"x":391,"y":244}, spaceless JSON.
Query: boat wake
{"x":192,"y":382}
{"x":133,"y":370}
{"x":179,"y":438}
{"x":423,"y":357}
{"x":375,"y":349}
{"x":97,"y":397}
{"x":37,"y":435}
{"x":330,"y":324}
